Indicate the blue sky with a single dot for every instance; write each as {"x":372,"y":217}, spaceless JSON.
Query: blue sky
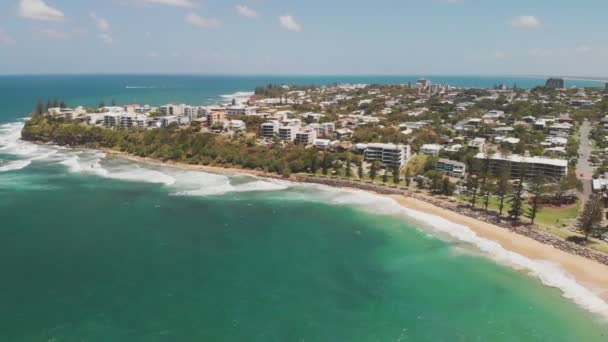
{"x":515,"y":37}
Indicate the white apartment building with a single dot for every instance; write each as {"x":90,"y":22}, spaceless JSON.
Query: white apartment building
{"x":133,"y":120}
{"x":172,"y":109}
{"x":305,"y":136}
{"x":240,"y":110}
{"x":390,"y":155}
{"x":269,"y":129}
{"x":288,"y":133}
{"x":531,"y":166}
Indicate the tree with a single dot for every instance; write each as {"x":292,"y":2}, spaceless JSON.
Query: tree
{"x":447,"y":187}
{"x":408,"y":177}
{"x":102,"y":104}
{"x":385,"y":176}
{"x":472,"y":184}
{"x":39,"y":109}
{"x":516,"y":199}
{"x":348,"y":171}
{"x":360,"y":170}
{"x":567,"y":183}
{"x":325,"y":164}
{"x":396,"y":175}
{"x":233,"y":101}
{"x":373,"y":170}
{"x":313,"y":164}
{"x":62,"y":105}
{"x":537,"y":189}
{"x":113,"y":102}
{"x":502,"y":189}
{"x":49,"y":104}
{"x":487,"y":188}
{"x":590,"y":219}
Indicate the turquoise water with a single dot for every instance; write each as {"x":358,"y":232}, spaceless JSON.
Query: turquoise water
{"x":94,"y":248}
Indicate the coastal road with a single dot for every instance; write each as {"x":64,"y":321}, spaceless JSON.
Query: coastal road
{"x":584,"y":170}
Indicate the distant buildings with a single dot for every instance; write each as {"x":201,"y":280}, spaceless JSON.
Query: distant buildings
{"x":555,"y":83}
{"x":216,"y":118}
{"x":531,"y":166}
{"x":390,"y":155}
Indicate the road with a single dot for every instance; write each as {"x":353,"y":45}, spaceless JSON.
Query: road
{"x":584,"y":170}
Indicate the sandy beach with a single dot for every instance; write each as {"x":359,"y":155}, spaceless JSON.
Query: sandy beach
{"x":589,"y":273}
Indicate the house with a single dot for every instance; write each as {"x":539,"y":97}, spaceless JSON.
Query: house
{"x":237,"y":125}
{"x":322,"y":144}
{"x":451,"y":168}
{"x":431,"y":149}
{"x":343,"y":133}
{"x":390,"y":155}
{"x":478,"y":143}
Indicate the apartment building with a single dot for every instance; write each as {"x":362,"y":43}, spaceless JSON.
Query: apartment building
{"x":215,"y":117}
{"x":390,"y":155}
{"x":269,"y":129}
{"x":305,"y":136}
{"x":451,"y":168}
{"x":288,"y":133}
{"x":531,"y":166}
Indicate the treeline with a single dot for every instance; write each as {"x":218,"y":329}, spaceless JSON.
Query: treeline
{"x":41,"y":108}
{"x":512,"y":196}
{"x":189,"y":146}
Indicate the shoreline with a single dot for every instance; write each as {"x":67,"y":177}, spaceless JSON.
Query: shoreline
{"x":588,"y":272}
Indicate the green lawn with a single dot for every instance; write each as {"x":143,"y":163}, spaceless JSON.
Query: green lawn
{"x":554,"y":217}
{"x":416,"y":164}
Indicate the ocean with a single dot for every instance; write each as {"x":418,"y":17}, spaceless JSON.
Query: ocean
{"x":97,"y":248}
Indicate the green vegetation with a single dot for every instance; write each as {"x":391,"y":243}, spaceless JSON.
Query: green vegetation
{"x":182,"y":145}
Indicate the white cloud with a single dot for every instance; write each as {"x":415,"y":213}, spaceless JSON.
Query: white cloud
{"x":152,"y":54}
{"x":525,"y":22}
{"x":198,"y":21}
{"x":106,"y":38}
{"x":289,"y":23}
{"x":5,"y":38}
{"x":39,"y":10}
{"x":246,"y":11}
{"x":102,"y":23}
{"x":175,"y":3}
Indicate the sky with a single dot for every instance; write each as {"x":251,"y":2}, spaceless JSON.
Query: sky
{"x":402,"y":37}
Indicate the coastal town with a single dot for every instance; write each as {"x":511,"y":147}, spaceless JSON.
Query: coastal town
{"x":535,"y":156}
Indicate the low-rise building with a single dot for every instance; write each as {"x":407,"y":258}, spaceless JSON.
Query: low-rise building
{"x":215,"y":118}
{"x":531,"y":166}
{"x":431,"y":149}
{"x":451,"y":167}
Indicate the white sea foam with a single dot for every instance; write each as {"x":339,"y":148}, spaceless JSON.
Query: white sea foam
{"x":192,"y":183}
{"x":549,"y":274}
{"x":14,"y":165}
{"x":240,"y":97}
